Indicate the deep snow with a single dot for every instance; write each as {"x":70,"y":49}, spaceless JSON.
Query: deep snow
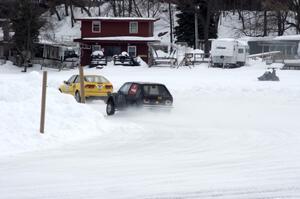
{"x":228,"y":136}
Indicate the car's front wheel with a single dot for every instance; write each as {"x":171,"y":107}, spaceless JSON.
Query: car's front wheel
{"x":110,"y":108}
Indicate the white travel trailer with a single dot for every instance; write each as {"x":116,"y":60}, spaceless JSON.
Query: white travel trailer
{"x":229,"y":53}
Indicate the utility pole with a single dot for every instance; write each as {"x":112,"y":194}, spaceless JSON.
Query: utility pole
{"x":82,"y":91}
{"x":43,"y":104}
{"x":196,"y":28}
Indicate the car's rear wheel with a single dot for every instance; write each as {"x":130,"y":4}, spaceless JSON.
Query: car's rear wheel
{"x":110,"y":108}
{"x":77,"y":96}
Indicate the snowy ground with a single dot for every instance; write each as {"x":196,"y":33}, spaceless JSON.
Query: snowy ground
{"x":228,"y":136}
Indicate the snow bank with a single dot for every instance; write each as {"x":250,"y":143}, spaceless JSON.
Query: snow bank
{"x":228,"y":135}
{"x":66,"y":120}
{"x":142,"y":62}
{"x":97,"y":53}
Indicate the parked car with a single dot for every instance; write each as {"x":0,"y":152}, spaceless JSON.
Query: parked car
{"x":95,"y":86}
{"x":139,"y":94}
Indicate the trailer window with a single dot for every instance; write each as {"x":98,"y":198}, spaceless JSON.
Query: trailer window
{"x":220,"y":47}
{"x":241,"y":51}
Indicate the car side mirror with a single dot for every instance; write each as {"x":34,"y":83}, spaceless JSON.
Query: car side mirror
{"x":65,"y":82}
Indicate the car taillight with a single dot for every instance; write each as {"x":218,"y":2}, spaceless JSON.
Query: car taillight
{"x":108,"y":86}
{"x":89,"y":86}
{"x":146,"y":101}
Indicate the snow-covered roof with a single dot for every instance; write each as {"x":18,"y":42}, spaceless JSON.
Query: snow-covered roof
{"x":97,"y":52}
{"x":277,"y":38}
{"x":120,"y":18}
{"x":239,"y":41}
{"x":288,"y":37}
{"x":224,"y":39}
{"x":53,"y":43}
{"x":257,"y":38}
{"x":120,"y":38}
{"x":197,"y":51}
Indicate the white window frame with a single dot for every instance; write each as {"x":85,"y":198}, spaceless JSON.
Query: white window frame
{"x":134,"y":50}
{"x":137,"y":27}
{"x":96,"y":23}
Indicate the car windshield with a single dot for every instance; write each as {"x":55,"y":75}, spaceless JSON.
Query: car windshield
{"x":124,"y":89}
{"x":155,"y":90}
{"x":97,"y":79}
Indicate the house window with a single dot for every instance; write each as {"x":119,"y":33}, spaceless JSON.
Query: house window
{"x":96,"y":26}
{"x":133,"y":27}
{"x":96,"y":48}
{"x":241,"y":51}
{"x":132,"y":51}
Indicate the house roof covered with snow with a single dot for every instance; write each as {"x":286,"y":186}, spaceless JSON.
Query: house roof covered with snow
{"x":277,"y":38}
{"x":119,"y":18}
{"x":239,"y":41}
{"x":288,"y":37}
{"x":121,"y":38}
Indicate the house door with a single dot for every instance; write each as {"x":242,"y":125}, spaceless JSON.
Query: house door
{"x":112,"y":50}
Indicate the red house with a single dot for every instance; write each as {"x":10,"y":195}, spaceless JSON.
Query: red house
{"x":115,"y":35}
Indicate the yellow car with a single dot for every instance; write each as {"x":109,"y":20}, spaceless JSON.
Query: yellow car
{"x":94,"y":85}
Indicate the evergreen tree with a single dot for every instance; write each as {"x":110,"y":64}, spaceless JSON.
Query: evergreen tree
{"x":26,"y":23}
{"x":185,"y":31}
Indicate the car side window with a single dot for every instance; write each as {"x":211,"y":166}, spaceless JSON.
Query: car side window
{"x":125,"y":88}
{"x":71,"y":80}
{"x":77,"y":79}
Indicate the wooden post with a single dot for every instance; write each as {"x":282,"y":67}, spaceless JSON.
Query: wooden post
{"x":82,"y":93}
{"x":43,"y":104}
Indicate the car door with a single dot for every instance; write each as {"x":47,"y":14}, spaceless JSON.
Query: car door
{"x":122,"y":94}
{"x":68,"y":84}
{"x":72,"y":85}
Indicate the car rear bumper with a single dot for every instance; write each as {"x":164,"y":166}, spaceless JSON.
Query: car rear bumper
{"x":96,"y":95}
{"x":157,"y":106}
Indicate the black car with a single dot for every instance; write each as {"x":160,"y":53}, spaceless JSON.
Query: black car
{"x":139,"y":94}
